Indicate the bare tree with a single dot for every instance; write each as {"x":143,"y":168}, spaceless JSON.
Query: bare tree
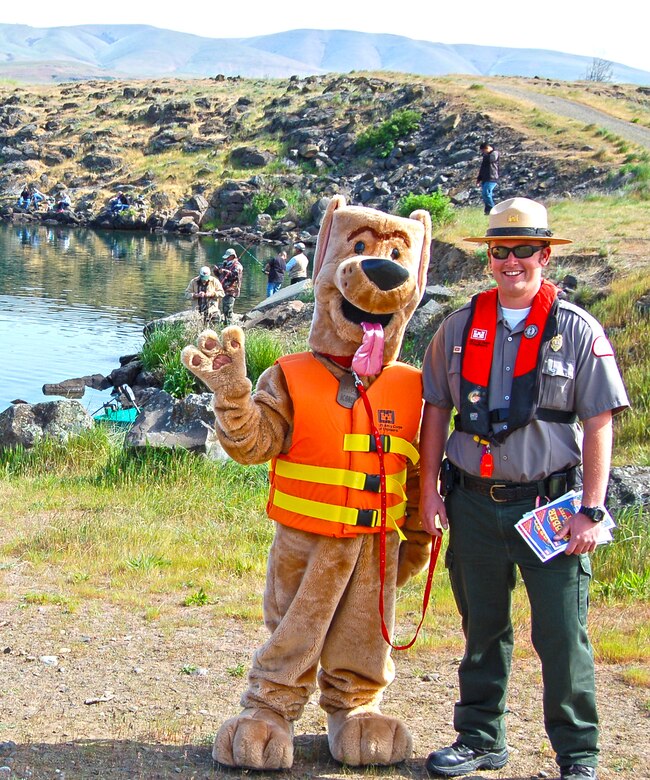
{"x":599,"y":70}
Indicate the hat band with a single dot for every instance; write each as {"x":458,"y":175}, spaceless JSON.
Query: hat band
{"x":531,"y":232}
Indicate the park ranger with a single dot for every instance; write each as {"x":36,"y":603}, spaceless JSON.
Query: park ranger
{"x":535,"y":384}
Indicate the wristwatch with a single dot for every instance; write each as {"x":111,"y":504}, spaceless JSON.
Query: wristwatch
{"x":594,"y":513}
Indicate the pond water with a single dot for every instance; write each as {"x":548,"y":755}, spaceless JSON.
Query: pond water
{"x":73,"y":300}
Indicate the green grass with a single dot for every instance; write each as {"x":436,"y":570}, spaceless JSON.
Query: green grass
{"x":629,"y":332}
{"x":264,"y":347}
{"x":437,"y":204}
{"x":381,"y":139}
{"x":154,"y":529}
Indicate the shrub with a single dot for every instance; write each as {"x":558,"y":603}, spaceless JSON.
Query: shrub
{"x":262,"y":350}
{"x":160,"y":341}
{"x":161,"y":352}
{"x":261,"y":203}
{"x":436,"y":203}
{"x":178,"y":382}
{"x":382,"y":139}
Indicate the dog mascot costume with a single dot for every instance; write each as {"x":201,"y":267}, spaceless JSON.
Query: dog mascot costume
{"x":321,"y":599}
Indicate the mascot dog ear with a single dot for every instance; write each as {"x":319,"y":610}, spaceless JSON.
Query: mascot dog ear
{"x":337,"y":202}
{"x":425,"y":218}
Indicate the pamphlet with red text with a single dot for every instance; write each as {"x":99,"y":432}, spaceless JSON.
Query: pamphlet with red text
{"x":538,"y":528}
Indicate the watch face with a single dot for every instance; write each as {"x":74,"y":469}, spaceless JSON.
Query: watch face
{"x":593,"y":513}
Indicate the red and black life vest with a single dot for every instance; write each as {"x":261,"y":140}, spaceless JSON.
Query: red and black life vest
{"x":479,"y":337}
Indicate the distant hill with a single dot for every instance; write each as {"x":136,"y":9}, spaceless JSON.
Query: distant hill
{"x":140,"y":51}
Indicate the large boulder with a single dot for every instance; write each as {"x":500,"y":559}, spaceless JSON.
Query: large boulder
{"x":250,"y":157}
{"x":23,"y":425}
{"x":168,"y":422}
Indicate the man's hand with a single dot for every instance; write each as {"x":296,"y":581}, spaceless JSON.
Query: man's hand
{"x":583,"y":535}
{"x":433,"y":513}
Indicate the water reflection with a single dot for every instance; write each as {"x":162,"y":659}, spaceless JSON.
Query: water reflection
{"x":73,"y":300}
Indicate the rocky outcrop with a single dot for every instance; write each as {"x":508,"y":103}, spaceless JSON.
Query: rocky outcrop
{"x":164,"y":421}
{"x":23,"y":425}
{"x":298,"y":138}
{"x":629,"y":486}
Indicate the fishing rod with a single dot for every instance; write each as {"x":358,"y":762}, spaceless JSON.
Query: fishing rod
{"x":247,"y":250}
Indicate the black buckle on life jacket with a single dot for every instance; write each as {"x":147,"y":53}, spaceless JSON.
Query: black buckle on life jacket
{"x":385,"y":443}
{"x":372,"y":483}
{"x":367,"y":517}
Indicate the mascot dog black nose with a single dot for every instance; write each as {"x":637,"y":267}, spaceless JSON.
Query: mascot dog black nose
{"x":386,"y":274}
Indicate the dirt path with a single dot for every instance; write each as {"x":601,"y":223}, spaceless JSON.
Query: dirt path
{"x":131,"y":698}
{"x":578,"y":111}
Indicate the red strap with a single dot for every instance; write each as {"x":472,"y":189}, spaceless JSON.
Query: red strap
{"x":436,"y":541}
{"x":477,"y":361}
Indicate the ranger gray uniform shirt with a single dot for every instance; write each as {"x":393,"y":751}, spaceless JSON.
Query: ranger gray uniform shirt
{"x":579,"y":374}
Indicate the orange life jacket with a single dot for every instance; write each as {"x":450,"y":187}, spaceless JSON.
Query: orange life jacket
{"x":328,"y":481}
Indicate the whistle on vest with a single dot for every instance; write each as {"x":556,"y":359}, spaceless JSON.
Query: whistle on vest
{"x":486,"y":464}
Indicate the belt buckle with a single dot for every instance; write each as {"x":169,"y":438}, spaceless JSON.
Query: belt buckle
{"x":494,"y":498}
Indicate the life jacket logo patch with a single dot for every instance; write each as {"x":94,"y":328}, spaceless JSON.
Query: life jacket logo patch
{"x":386,"y":416}
{"x":479,"y":334}
{"x":474,"y":396}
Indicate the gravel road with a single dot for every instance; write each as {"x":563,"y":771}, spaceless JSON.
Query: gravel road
{"x":568,"y":108}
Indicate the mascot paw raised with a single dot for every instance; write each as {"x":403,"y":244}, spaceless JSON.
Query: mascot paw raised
{"x":319,"y":418}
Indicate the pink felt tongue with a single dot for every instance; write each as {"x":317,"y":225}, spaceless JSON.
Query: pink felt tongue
{"x":368,"y":359}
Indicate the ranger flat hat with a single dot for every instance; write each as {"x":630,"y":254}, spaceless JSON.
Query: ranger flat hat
{"x":518,"y":218}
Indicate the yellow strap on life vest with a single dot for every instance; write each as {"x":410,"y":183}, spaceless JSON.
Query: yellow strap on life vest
{"x":337,"y":514}
{"x":364,"y":442}
{"x":357,"y":480}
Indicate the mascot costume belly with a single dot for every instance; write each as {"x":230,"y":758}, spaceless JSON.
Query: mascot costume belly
{"x":310,"y":420}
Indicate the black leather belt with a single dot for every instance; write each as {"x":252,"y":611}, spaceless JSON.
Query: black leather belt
{"x":500,"y":491}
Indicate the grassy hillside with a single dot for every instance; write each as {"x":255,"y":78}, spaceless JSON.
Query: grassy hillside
{"x":170,"y":138}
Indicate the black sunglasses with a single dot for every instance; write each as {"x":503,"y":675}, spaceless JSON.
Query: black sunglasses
{"x":521,"y":251}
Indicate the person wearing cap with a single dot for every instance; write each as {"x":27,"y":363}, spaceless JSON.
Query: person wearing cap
{"x":488,"y":174}
{"x":297,"y":266}
{"x":230,"y":275}
{"x":535,"y":384}
{"x":205,"y":290}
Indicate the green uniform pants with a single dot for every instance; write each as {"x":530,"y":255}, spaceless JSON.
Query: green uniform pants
{"x":484,"y":551}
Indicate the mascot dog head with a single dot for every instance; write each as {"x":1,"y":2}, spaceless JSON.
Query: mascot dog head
{"x":371,"y":268}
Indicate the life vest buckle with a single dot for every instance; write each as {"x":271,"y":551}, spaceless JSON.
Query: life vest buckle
{"x":385,"y":443}
{"x":372,"y":483}
{"x":367,"y":518}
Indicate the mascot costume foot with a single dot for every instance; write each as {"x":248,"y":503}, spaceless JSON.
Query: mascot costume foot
{"x":339,"y":425}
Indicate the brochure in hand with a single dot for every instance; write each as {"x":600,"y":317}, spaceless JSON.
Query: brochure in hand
{"x":539,"y":527}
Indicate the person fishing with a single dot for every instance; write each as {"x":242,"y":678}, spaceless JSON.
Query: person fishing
{"x":205,"y":290}
{"x":230,"y":274}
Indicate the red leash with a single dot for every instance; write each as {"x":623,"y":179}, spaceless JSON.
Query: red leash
{"x":436,"y":540}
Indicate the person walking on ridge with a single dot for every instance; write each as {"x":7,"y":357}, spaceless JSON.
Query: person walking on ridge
{"x":488,"y":174}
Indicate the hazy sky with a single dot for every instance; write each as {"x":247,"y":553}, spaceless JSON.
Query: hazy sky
{"x":612,"y":31}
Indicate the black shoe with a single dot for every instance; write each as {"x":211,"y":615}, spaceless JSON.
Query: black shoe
{"x":459,"y":759}
{"x":577,"y":772}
